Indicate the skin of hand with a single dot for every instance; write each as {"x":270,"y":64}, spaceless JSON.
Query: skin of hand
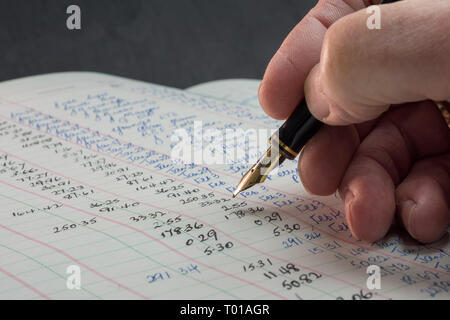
{"x":386,"y":146}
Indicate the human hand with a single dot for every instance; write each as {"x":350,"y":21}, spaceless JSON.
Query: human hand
{"x":383,"y":159}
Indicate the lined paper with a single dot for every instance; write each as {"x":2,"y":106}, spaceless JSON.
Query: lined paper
{"x":241,"y":91}
{"x":87,"y":181}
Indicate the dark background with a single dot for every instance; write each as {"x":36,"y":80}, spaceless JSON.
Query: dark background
{"x":172,"y":42}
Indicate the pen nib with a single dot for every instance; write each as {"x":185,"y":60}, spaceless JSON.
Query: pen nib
{"x":259,"y":172}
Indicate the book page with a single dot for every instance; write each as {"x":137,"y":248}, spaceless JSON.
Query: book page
{"x":241,"y":91}
{"x":96,"y":204}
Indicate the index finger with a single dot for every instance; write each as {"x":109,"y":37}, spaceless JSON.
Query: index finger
{"x":282,"y":86}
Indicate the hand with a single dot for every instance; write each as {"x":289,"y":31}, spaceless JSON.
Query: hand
{"x":383,"y":159}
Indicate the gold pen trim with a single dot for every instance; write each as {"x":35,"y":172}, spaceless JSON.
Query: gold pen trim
{"x":285,"y":147}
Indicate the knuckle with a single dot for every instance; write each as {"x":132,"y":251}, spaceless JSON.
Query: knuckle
{"x":334,"y":57}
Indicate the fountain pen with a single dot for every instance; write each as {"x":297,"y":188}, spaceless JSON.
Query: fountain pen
{"x":285,"y":143}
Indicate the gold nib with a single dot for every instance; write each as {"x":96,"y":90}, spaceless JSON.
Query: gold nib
{"x":259,"y":172}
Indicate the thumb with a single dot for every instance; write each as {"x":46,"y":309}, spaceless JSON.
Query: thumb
{"x":363,"y":71}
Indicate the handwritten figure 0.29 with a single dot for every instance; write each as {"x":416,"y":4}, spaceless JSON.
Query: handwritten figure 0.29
{"x":73,"y":22}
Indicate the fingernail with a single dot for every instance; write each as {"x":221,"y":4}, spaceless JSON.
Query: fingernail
{"x":323,"y":110}
{"x":408,"y":208}
{"x":301,"y":171}
{"x":348,"y":198}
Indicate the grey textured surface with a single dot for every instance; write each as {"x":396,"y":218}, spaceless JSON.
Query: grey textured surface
{"x":176,"y":43}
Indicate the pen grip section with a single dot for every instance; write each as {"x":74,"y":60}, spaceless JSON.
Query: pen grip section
{"x":296,"y":130}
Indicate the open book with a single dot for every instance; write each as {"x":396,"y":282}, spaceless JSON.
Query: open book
{"x":94,"y":204}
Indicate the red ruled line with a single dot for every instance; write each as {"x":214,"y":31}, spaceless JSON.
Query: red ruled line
{"x":136,"y":230}
{"x":220,"y":114}
{"x":75,"y":88}
{"x":132,"y":144}
{"x":49,"y":246}
{"x":296,"y":217}
{"x":25,"y":284}
{"x":175,"y":212}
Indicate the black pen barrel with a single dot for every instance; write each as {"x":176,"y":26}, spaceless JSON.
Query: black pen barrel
{"x":297,"y":130}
